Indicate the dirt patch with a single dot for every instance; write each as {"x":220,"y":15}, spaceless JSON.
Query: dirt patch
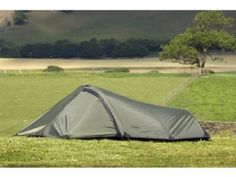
{"x":135,"y":65}
{"x":218,"y":127}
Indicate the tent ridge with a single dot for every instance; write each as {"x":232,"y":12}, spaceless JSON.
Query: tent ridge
{"x":93,"y":92}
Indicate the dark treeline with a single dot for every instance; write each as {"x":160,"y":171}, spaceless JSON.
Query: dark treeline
{"x":94,"y":49}
{"x":104,"y":48}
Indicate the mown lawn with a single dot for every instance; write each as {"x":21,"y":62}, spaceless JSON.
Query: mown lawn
{"x":25,"y":97}
{"x":210,"y":98}
{"x":37,"y":152}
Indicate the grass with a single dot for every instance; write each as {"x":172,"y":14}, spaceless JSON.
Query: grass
{"x":37,"y":152}
{"x":25,"y":97}
{"x":210,"y":98}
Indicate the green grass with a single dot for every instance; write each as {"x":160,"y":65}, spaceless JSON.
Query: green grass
{"x":210,"y":98}
{"x":38,"y":152}
{"x":25,"y":97}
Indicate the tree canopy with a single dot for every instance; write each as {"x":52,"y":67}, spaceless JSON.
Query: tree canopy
{"x":208,"y":30}
{"x":20,"y":18}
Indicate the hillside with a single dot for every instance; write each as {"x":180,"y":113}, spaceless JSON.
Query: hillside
{"x":48,"y":26}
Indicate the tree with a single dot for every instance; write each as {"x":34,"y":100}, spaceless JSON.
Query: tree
{"x":209,"y":29}
{"x":90,"y":49}
{"x":40,"y":50}
{"x":20,"y":18}
{"x":8,"y":49}
{"x":131,"y":48}
{"x":65,"y":49}
{"x":109,"y":47}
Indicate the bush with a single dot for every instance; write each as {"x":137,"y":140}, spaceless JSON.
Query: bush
{"x":117,"y":70}
{"x":20,"y":18}
{"x":52,"y":68}
{"x":67,"y":11}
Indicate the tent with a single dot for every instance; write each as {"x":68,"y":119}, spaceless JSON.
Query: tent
{"x":92,"y":112}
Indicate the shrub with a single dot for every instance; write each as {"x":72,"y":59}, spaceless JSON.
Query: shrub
{"x":67,"y":11}
{"x":53,"y":68}
{"x":20,"y":18}
{"x":117,"y":70}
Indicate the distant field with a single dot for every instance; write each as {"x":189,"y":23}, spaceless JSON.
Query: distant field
{"x":30,"y":64}
{"x":49,"y":26}
{"x":135,"y":65}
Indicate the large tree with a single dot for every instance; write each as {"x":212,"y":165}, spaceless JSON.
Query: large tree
{"x":208,"y":30}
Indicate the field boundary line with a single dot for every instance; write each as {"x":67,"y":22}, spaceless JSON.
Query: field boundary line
{"x":177,"y":90}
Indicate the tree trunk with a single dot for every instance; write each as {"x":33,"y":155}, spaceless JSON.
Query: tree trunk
{"x":199,"y":71}
{"x":199,"y":66}
{"x":201,"y":63}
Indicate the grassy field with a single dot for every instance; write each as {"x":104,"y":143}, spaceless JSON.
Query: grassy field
{"x":32,"y":152}
{"x":26,"y":96}
{"x":210,"y":98}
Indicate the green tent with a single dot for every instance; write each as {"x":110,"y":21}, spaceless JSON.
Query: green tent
{"x":92,"y":112}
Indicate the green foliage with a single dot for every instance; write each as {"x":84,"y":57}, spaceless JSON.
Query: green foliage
{"x":193,"y":46}
{"x":109,"y":47}
{"x":90,"y":49}
{"x":60,"y":49}
{"x":20,"y":18}
{"x":64,"y":49}
{"x":67,"y":11}
{"x":131,"y":48}
{"x":208,"y":20}
{"x":104,"y":48}
{"x":210,"y":98}
{"x":53,"y":68}
{"x":117,"y":70}
{"x":36,"y":51}
{"x":8,"y":49}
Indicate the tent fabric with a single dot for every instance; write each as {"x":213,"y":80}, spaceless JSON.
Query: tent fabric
{"x":93,"y":112}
